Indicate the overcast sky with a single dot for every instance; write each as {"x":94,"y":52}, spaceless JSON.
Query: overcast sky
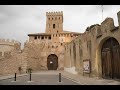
{"x":17,"y":21}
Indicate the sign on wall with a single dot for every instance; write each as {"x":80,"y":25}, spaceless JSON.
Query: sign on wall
{"x":86,"y":66}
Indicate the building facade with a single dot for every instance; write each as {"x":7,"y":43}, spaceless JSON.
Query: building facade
{"x":46,"y":50}
{"x":94,"y":53}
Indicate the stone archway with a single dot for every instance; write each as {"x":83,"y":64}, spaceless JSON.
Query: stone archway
{"x":110,"y":58}
{"x":52,"y":62}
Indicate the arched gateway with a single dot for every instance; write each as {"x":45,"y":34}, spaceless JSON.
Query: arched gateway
{"x":52,"y":62}
{"x":110,"y":55}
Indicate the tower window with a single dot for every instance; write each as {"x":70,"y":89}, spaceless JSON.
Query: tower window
{"x":49,"y":18}
{"x":59,"y":17}
{"x":38,"y":37}
{"x":55,"y":18}
{"x":53,"y":25}
{"x":35,"y":37}
{"x":57,"y":31}
{"x":52,"y":46}
{"x":52,"y":18}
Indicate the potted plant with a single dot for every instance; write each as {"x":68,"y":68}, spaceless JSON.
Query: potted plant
{"x":29,"y":70}
{"x":19,"y":69}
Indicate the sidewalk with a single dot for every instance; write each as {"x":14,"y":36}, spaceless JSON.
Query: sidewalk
{"x":82,"y":80}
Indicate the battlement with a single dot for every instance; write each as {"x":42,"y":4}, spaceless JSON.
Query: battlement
{"x":8,"y":42}
{"x":55,"y":13}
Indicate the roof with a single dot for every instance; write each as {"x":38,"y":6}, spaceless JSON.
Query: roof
{"x":48,"y":34}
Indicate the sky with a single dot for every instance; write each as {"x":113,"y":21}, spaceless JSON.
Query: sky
{"x":17,"y":21}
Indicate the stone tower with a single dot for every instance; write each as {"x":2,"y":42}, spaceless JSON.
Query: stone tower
{"x":54,"y":22}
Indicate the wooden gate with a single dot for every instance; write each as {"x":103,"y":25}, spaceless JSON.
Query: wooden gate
{"x":52,"y":62}
{"x":111,"y":59}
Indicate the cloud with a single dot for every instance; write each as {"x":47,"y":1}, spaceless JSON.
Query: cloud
{"x":16,"y":21}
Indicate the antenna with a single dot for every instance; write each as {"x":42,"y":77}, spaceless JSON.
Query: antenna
{"x":102,"y":11}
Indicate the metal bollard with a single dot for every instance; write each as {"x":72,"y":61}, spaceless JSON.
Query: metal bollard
{"x":15,"y":77}
{"x":59,"y":77}
{"x":30,"y":76}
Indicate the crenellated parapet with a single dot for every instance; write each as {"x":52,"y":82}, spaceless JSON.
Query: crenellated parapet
{"x":55,"y":13}
{"x":9,"y":42}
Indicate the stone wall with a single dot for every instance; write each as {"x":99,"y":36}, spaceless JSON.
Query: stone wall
{"x":88,"y":46}
{"x":11,"y":57}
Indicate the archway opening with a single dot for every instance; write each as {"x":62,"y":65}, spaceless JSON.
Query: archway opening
{"x":110,"y":56}
{"x":52,"y":62}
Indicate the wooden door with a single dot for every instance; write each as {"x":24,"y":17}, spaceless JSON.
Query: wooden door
{"x":52,"y":62}
{"x":111,"y":59}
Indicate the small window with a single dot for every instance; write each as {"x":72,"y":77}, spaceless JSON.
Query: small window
{"x":52,"y":46}
{"x":49,"y":37}
{"x":53,"y":25}
{"x":59,"y":18}
{"x":38,"y":37}
{"x":57,"y":31}
{"x":45,"y":37}
{"x":52,"y":18}
{"x":35,"y":37}
{"x":49,"y":18}
{"x":55,"y":18}
{"x":42,"y":37}
{"x":61,"y":44}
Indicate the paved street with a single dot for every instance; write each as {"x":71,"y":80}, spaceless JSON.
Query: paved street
{"x":52,"y":78}
{"x":38,"y":79}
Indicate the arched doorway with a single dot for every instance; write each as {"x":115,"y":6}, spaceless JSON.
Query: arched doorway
{"x":52,"y":62}
{"x":110,"y":55}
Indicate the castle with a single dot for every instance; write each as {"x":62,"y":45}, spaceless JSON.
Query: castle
{"x":94,"y":53}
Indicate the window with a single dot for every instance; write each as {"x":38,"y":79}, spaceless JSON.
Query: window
{"x":53,"y":25}
{"x":52,"y":18}
{"x":61,"y":44}
{"x":49,"y":18}
{"x":38,"y":37}
{"x":42,"y":37}
{"x":55,"y":18}
{"x":49,"y":37}
{"x":57,"y":31}
{"x":59,"y":18}
{"x":35,"y":37}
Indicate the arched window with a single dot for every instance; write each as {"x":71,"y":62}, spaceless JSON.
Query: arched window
{"x":49,"y":18}
{"x":53,"y":25}
{"x":59,"y":18}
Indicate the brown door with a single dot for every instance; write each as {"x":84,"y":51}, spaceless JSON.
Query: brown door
{"x":52,"y":62}
{"x":111,"y":59}
{"x":116,"y":61}
{"x":106,"y":63}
